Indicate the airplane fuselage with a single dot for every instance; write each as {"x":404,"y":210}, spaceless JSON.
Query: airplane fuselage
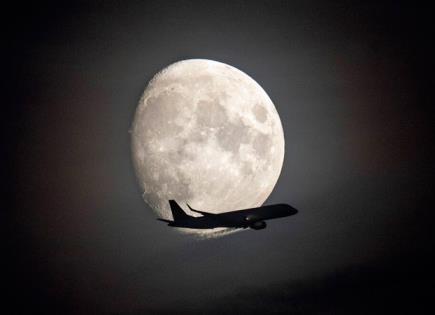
{"x":250,"y":218}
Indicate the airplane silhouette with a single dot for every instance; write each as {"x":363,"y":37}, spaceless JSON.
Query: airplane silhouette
{"x":248,"y":218}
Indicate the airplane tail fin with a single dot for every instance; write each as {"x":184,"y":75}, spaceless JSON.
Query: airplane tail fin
{"x":177,"y":212}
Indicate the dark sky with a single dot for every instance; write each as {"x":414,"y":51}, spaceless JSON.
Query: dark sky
{"x":353,"y":85}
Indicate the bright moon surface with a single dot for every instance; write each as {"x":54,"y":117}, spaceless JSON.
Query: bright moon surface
{"x":205,"y":133}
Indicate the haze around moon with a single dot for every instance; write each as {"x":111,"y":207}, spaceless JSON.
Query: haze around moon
{"x":205,"y":133}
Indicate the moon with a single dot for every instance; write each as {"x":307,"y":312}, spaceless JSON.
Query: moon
{"x":205,"y":133}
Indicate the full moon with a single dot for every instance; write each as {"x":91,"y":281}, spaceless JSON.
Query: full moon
{"x":206,"y":134}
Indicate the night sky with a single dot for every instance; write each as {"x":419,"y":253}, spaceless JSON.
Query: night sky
{"x":353,"y":85}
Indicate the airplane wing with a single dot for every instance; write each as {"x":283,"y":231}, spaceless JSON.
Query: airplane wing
{"x":201,"y":212}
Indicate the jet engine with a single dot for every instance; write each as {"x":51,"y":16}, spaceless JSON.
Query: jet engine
{"x":258,"y":225}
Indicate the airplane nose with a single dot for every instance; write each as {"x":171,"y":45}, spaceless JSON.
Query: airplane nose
{"x":292,"y":211}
